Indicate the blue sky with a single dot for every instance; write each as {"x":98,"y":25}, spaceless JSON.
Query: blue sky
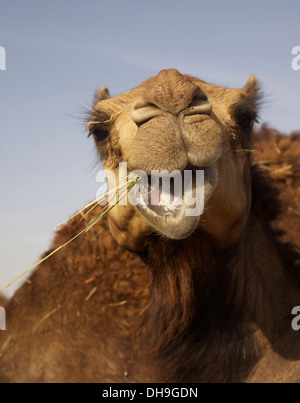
{"x":59,"y":52}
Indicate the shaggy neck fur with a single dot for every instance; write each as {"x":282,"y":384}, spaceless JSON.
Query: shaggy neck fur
{"x":220,"y":309}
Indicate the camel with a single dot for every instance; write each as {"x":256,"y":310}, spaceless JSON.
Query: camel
{"x":278,"y":155}
{"x":146,"y":296}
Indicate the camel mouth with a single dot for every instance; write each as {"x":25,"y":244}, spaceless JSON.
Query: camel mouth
{"x":164,"y":194}
{"x":173,"y":202}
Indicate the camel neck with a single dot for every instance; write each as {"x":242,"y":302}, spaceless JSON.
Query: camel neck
{"x":267,"y":283}
{"x":232,"y":301}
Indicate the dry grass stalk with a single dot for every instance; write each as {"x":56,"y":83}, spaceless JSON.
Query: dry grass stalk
{"x":118,"y":303}
{"x":5,"y":344}
{"x":97,"y":202}
{"x":270,"y":162}
{"x":91,"y":294}
{"x":284,"y":170}
{"x":277,"y":149}
{"x":121,"y":191}
{"x":46,"y":317}
{"x":105,"y":121}
{"x":294,"y":211}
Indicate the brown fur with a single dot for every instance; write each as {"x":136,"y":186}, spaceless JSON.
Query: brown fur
{"x":182,"y":310}
{"x":3,"y":300}
{"x":274,"y":146}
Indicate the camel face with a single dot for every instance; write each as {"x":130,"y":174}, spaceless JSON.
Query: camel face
{"x":176,"y":124}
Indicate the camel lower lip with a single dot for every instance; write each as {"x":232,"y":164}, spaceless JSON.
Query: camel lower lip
{"x":164,"y":210}
{"x":178,"y":218}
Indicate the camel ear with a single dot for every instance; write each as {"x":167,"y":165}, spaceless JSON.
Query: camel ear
{"x":252,"y":88}
{"x":102,"y":113}
{"x":101,"y":94}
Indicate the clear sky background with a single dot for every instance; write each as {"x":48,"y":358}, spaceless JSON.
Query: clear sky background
{"x":58,"y":52}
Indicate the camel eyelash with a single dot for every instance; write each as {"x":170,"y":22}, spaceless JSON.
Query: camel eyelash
{"x":245,"y":114}
{"x":94,"y":126}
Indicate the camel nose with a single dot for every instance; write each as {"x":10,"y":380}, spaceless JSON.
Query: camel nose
{"x":144,"y":110}
{"x":170,"y":92}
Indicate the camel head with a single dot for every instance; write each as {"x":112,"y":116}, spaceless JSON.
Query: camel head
{"x":174,"y":123}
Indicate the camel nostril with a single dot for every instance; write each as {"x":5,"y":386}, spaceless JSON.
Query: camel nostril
{"x":143,"y":112}
{"x":199,"y":106}
{"x":145,"y":109}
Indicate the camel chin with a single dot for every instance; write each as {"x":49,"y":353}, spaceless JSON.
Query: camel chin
{"x":174,"y":226}
{"x":177,"y":217}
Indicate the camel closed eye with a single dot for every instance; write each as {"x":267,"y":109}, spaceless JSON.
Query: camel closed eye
{"x":100,"y":134}
{"x":246,"y":120}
